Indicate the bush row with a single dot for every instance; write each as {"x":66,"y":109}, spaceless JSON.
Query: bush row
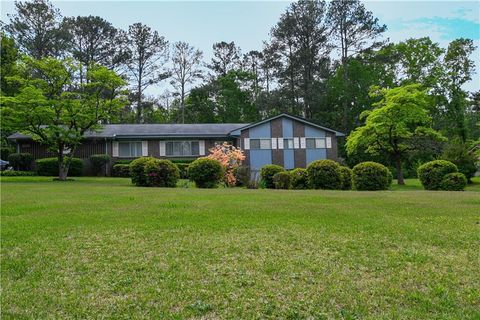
{"x":329,"y":175}
{"x":11,"y":173}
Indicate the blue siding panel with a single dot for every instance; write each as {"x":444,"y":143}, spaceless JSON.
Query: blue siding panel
{"x":260,"y":131}
{"x":316,"y":154}
{"x":313,"y":132}
{"x":288,"y":159}
{"x":259,"y":158}
{"x":287,"y":125}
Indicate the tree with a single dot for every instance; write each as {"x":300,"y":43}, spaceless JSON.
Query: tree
{"x":38,"y":29}
{"x":95,"y":41}
{"x":186,"y":69}
{"x":8,"y":64}
{"x":226,"y":57}
{"x":148,"y":52}
{"x":399,"y":125}
{"x":56,"y":110}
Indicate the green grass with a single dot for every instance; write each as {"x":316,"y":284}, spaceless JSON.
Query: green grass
{"x":101,"y":248}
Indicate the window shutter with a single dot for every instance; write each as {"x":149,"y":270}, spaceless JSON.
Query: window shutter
{"x":201,"y":147}
{"x":280,"y":143}
{"x":296,"y":143}
{"x":162,"y":149}
{"x":115,"y":148}
{"x":274,"y":143}
{"x":329,"y":142}
{"x":246,"y":144}
{"x":303,"y":143}
{"x":144,"y":148}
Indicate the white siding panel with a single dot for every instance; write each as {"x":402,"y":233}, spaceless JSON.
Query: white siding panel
{"x":115,"y":148}
{"x":144,"y":148}
{"x":201,"y":147}
{"x":329,"y":142}
{"x":320,"y":143}
{"x":280,"y":143}
{"x":274,"y":143}
{"x":303,"y":143}
{"x":296,"y":143}
{"x":246,"y":143}
{"x":162,"y":149}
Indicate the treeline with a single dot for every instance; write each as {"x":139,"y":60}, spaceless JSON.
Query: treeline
{"x":321,"y":61}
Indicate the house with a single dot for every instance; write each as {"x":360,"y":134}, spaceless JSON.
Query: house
{"x":286,"y":140}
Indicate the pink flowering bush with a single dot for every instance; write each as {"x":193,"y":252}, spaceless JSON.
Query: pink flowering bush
{"x":230,"y":158}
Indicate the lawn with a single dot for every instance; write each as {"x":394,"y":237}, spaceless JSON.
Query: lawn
{"x":101,"y":248}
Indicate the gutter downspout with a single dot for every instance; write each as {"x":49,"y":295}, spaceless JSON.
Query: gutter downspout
{"x":106,"y":152}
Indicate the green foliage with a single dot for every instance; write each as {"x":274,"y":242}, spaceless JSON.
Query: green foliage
{"x":299,"y":178}
{"x":282,"y":180}
{"x":369,"y":176}
{"x":267,"y":172}
{"x":432,"y":173}
{"x":8,"y":65}
{"x":5,"y":152}
{"x":121,"y":170}
{"x":453,"y":182}
{"x":324,"y":174}
{"x":123,"y":161}
{"x":161,"y":173}
{"x":206,"y":173}
{"x":242,"y":175}
{"x":99,"y":162}
{"x":458,"y":153}
{"x":21,"y":161}
{"x":137,"y":171}
{"x":346,"y":177}
{"x":11,"y":173}
{"x":49,"y":167}
{"x":183,"y":168}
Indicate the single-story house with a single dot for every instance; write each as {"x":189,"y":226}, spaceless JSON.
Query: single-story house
{"x":286,"y":140}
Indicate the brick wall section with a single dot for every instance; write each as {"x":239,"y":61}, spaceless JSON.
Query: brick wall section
{"x":332,"y":153}
{"x":276,"y":132}
{"x":245,"y":134}
{"x":299,"y":155}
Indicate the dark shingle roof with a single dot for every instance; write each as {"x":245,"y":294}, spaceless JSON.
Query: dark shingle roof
{"x":158,"y":130}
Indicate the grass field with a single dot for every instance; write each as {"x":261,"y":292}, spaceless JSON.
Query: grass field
{"x":101,"y":248}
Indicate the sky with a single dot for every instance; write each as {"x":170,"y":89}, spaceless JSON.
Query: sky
{"x":248,"y":23}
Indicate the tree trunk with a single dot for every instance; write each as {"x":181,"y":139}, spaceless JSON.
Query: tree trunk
{"x":62,"y":167}
{"x":398,"y":164}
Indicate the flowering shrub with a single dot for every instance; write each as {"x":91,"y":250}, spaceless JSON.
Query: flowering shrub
{"x":161,"y":173}
{"x":230,"y":158}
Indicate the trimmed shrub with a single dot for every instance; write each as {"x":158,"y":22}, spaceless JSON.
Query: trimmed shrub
{"x":458,"y":153}
{"x":137,"y":171}
{"x":299,"y":178}
{"x":431,"y":173}
{"x":161,"y":173}
{"x":267,"y":172}
{"x":123,"y":161}
{"x":324,"y":174}
{"x":183,"y":169}
{"x":282,"y":180}
{"x":11,"y":173}
{"x":49,"y":167}
{"x":99,"y":162}
{"x":206,"y":173}
{"x":5,"y":152}
{"x":21,"y":161}
{"x":121,"y":170}
{"x":454,"y":182}
{"x":242,"y":175}
{"x":346,"y":177}
{"x":371,"y":176}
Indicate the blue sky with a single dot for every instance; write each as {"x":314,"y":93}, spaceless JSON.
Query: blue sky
{"x":201,"y":23}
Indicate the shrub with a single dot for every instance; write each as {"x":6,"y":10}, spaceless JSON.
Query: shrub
{"x":346,"y":177}
{"x":137,"y":171}
{"x":21,"y":161}
{"x":267,"y":172}
{"x":453,"y":182}
{"x":49,"y":167}
{"x":183,"y":169}
{"x":242,"y":175}
{"x":282,"y":180}
{"x":431,"y":173}
{"x":121,"y":170}
{"x":299,"y":178}
{"x":206,"y":173}
{"x":371,"y":176}
{"x":11,"y":173}
{"x":324,"y":174}
{"x":230,"y":158}
{"x":458,"y":153}
{"x":99,"y":162}
{"x":123,"y":161}
{"x":5,"y":152}
{"x":161,"y":173}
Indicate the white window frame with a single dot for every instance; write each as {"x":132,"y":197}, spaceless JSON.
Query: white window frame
{"x":317,"y":143}
{"x":285,"y":144}
{"x":130,"y":149}
{"x":265,"y":139}
{"x":183,"y":155}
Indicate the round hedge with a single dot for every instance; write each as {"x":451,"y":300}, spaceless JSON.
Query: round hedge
{"x":431,"y":173}
{"x":161,"y":173}
{"x":299,"y":178}
{"x":267,"y":172}
{"x":206,"y":173}
{"x":282,"y":180}
{"x":371,"y":176}
{"x":137,"y":171}
{"x":324,"y":174}
{"x":346,"y":177}
{"x":121,"y":170}
{"x":20,"y":161}
{"x":454,"y":182}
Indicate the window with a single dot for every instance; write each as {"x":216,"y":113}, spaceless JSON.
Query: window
{"x":260,"y":144}
{"x":130,"y":149}
{"x":315,"y":143}
{"x":310,"y":143}
{"x":288,"y":143}
{"x":182,"y":148}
